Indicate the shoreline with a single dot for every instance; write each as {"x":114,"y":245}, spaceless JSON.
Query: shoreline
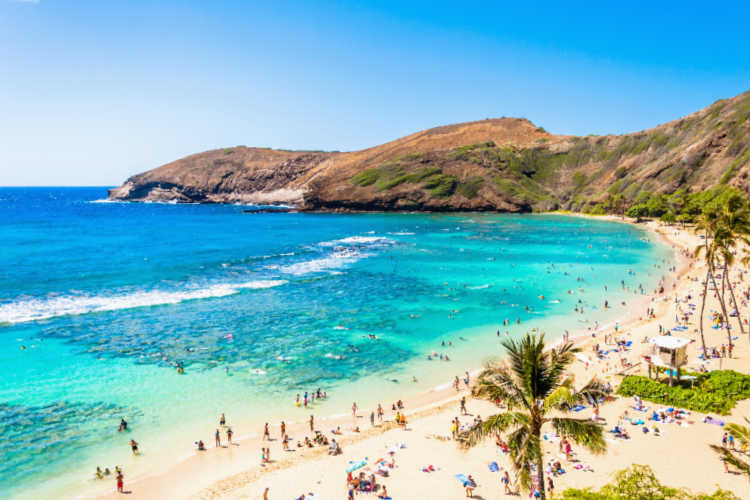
{"x":211,"y":471}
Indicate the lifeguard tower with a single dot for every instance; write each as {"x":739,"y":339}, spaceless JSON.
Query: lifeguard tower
{"x":669,"y":353}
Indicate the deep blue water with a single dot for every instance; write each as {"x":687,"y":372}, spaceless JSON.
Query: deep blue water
{"x":98,"y":301}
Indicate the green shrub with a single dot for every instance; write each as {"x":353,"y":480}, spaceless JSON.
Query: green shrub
{"x":390,"y":182}
{"x":716,"y":392}
{"x":469,"y":188}
{"x":366,"y":177}
{"x":579,"y":180}
{"x":441,"y":186}
{"x":639,"y":482}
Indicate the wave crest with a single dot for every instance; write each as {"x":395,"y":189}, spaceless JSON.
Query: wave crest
{"x":26,"y":310}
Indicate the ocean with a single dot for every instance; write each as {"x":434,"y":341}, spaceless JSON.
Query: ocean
{"x":99,"y":301}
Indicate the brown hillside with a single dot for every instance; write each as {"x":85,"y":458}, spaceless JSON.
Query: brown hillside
{"x":501,"y":165}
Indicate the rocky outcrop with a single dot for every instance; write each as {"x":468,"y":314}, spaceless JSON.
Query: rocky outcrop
{"x":506,"y":165}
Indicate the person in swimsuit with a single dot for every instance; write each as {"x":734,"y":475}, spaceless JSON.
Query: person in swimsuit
{"x":120,"y":482}
{"x":217,"y":436}
{"x":266,"y":433}
{"x":134,"y":446}
{"x":229,"y":435}
{"x":265,"y":494}
{"x":123,"y":425}
{"x":223,"y":420}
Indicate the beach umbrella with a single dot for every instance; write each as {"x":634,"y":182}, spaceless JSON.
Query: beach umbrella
{"x":355,"y":465}
{"x":463,"y":478}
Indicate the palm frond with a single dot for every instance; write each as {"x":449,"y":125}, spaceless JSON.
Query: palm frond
{"x":495,"y":424}
{"x":584,"y":432}
{"x":732,"y":459}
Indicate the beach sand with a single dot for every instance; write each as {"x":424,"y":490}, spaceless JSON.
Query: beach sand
{"x":680,"y":457}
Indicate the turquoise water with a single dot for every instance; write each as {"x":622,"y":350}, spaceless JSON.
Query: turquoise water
{"x":98,"y":301}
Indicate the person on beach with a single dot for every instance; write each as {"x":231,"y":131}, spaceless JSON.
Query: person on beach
{"x":470,"y":485}
{"x":134,"y":447}
{"x":380,"y":412}
{"x":372,"y":418}
{"x":506,"y":482}
{"x":266,"y":433}
{"x":123,"y":425}
{"x":201,"y":446}
{"x":120,"y":482}
{"x":229,"y":435}
{"x":265,"y":494}
{"x":283,"y":429}
{"x":463,"y":406}
{"x":312,"y":424}
{"x":217,"y":437}
{"x":223,"y":420}
{"x":354,"y":409}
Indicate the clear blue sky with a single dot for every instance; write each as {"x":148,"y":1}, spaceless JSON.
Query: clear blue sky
{"x":94,"y":91}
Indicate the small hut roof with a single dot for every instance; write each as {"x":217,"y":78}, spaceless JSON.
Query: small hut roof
{"x":669,"y":342}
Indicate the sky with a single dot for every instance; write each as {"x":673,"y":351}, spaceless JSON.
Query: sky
{"x":92,"y":92}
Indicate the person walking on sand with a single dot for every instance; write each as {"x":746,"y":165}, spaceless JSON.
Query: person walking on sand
{"x":229,"y":435}
{"x":380,"y":412}
{"x":354,"y":409}
{"x":506,"y":482}
{"x":266,"y":433}
{"x":312,"y":424}
{"x":217,"y":436}
{"x":463,"y":406}
{"x":120,"y":482}
{"x":283,"y":429}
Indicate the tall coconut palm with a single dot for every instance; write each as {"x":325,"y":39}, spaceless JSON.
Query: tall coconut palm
{"x":716,"y":251}
{"x":537,"y":392}
{"x":734,"y":218}
{"x":706,"y":223}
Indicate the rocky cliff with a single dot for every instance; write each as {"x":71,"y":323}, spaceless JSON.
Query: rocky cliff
{"x":504,"y":164}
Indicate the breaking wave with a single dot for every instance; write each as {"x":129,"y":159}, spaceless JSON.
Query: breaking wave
{"x":25,"y":310}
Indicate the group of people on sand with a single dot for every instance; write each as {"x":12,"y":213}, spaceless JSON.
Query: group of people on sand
{"x":119,"y":476}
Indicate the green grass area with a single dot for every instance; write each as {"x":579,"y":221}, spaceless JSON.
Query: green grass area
{"x":716,"y":392}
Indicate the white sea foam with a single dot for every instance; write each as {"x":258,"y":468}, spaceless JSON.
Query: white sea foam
{"x":338,"y":259}
{"x":359,"y":241}
{"x":25,"y":310}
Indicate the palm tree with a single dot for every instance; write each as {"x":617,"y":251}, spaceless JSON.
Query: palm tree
{"x":742,"y":436}
{"x":734,"y":218}
{"x":715,"y":247}
{"x":532,"y":385}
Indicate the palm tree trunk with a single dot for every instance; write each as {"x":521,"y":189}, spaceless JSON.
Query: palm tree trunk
{"x":723,"y":310}
{"x":540,"y":474}
{"x":734,"y":299}
{"x":703,"y":308}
